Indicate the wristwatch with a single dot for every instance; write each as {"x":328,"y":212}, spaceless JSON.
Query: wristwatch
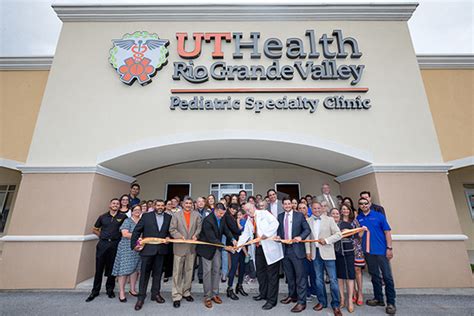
{"x":389,"y":248}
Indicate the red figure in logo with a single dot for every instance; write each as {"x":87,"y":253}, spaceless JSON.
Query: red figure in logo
{"x":136,"y":68}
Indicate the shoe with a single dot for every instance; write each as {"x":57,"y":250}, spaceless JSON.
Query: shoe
{"x":138,"y":305}
{"x":374,"y":302}
{"x":124,"y":300}
{"x":390,"y":309}
{"x":91,"y":297}
{"x":288,"y":300}
{"x":133,"y":294}
{"x":258,"y":298}
{"x":159,"y":299}
{"x":239,"y":289}
{"x":165,"y":280}
{"x":298,"y":308}
{"x":337,"y":311}
{"x":189,"y":298}
{"x":231,"y":294}
{"x":217,"y":299}
{"x":360,"y":303}
{"x":318,"y":307}
{"x":176,"y":304}
{"x":208,"y":303}
{"x":223,"y":279}
{"x":350,"y":309}
{"x":201,"y":281}
{"x":342,"y":305}
{"x":111,"y":294}
{"x":267,"y":306}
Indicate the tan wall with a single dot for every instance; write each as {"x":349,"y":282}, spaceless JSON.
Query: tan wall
{"x":21,"y":93}
{"x":55,"y":204}
{"x":153,"y":184}
{"x":451,"y":99}
{"x":457,"y":178}
{"x":419,"y":204}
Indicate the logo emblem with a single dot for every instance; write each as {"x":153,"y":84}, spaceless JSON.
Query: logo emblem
{"x":138,"y":56}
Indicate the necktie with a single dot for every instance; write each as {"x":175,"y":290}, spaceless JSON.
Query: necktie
{"x":286,"y":226}
{"x":329,"y":199}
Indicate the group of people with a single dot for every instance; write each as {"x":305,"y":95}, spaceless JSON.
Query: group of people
{"x":241,"y":236}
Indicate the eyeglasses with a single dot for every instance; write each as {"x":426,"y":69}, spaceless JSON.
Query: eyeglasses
{"x":363,"y":203}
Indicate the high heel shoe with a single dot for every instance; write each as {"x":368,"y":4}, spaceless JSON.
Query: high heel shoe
{"x":231,"y":294}
{"x":123,"y":300}
{"x":132,"y":294}
{"x":239,"y":289}
{"x":350,"y":309}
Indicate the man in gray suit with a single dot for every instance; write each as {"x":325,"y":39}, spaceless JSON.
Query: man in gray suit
{"x":186,"y":224}
{"x":326,"y":195}
{"x":275,"y":207}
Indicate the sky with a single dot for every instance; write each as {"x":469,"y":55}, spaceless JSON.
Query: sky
{"x":31,"y":27}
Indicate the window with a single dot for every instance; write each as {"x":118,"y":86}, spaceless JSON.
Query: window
{"x":177,"y":189}
{"x":6,"y":199}
{"x":221,"y":189}
{"x":291,"y":190}
{"x":469,"y":190}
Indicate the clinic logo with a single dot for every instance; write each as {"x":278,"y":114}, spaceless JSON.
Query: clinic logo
{"x":138,"y":56}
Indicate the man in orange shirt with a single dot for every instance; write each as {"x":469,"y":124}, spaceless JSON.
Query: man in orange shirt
{"x":185,"y":224}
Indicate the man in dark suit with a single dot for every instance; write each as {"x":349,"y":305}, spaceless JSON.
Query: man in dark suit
{"x":213,"y":228}
{"x":293,"y":226}
{"x":154,"y":224}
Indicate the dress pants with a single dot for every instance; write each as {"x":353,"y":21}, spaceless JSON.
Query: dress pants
{"x":211,"y":270}
{"x":267,"y":276}
{"x":330,"y":266}
{"x":311,"y":276}
{"x":183,"y":267}
{"x":104,"y":261}
{"x":168,"y":262}
{"x":295,"y":275}
{"x":150,"y":263}
{"x":377,"y":264}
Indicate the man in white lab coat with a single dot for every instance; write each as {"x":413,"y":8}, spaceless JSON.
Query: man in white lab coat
{"x":267,"y":253}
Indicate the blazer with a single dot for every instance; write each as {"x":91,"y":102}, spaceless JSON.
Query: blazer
{"x":147,"y":227}
{"x":329,"y":231}
{"x":178,"y":230}
{"x":279,"y":207}
{"x":321,"y":198}
{"x":211,"y":232}
{"x":299,"y":227}
{"x":231,"y":224}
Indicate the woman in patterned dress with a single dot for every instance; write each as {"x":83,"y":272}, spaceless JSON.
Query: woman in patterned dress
{"x":127,"y":261}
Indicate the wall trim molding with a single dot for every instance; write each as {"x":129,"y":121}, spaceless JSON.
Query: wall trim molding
{"x":49,"y":237}
{"x":447,"y":61}
{"x":26,"y":63}
{"x":10,"y":164}
{"x":87,"y":169}
{"x":394,"y":168}
{"x":59,"y":238}
{"x":257,"y":11}
{"x":461,"y":163}
{"x":435,"y":237}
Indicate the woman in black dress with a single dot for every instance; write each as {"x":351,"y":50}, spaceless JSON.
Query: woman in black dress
{"x":345,"y":257}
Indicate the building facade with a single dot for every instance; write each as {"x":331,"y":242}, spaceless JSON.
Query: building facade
{"x":212,"y":99}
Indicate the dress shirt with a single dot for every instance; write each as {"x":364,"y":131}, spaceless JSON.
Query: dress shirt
{"x":159,"y":220}
{"x":290,"y":224}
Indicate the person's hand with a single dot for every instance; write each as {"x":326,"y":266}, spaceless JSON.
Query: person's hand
{"x":182,"y":238}
{"x":389,"y":254}
{"x":167,"y":240}
{"x":277,"y":238}
{"x":322,"y":242}
{"x":234,"y":242}
{"x":195,"y":238}
{"x":308,"y":256}
{"x":365,"y":228}
{"x":297,"y":239}
{"x":139,"y":246}
{"x":230,"y":249}
{"x":263,"y":237}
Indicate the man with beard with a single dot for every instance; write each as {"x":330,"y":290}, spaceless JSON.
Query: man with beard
{"x":154,"y":224}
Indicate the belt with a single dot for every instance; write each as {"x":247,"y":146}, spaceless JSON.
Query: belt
{"x":108,"y":239}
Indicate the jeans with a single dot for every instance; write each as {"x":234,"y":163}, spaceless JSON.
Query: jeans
{"x":237,"y":260}
{"x":311,"y":275}
{"x":225,"y":260}
{"x":319,"y":266}
{"x":377,"y":264}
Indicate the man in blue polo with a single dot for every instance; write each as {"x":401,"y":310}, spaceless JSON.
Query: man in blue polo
{"x":378,"y":255}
